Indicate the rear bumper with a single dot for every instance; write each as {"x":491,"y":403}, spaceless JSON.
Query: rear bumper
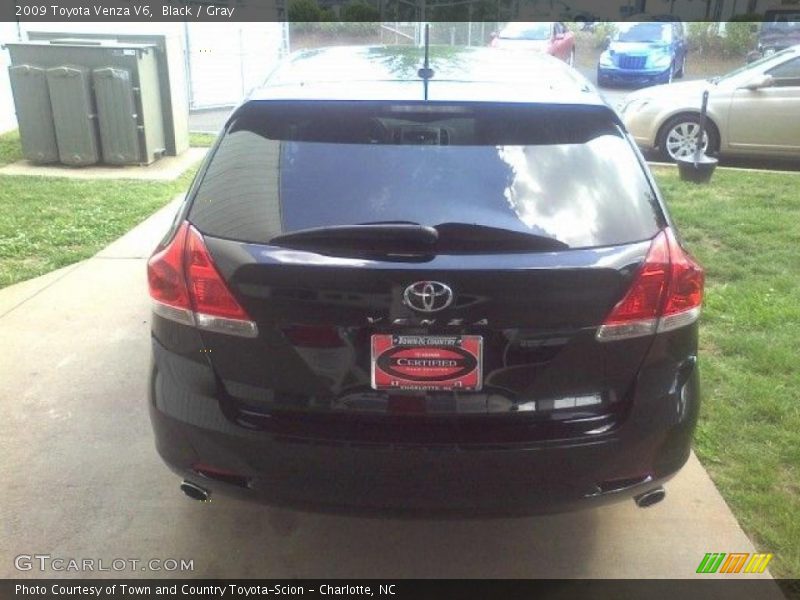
{"x":415,"y":480}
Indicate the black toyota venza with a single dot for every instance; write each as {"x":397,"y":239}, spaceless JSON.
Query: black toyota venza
{"x":446,"y":291}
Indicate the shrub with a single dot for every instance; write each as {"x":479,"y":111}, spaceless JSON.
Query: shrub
{"x":485,"y":10}
{"x":351,"y":29}
{"x":707,"y":38}
{"x":360,"y":11}
{"x":302,"y":11}
{"x":739,"y":39}
{"x":703,"y":37}
{"x":603,"y":30}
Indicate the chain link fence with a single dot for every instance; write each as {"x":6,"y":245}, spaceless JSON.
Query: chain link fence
{"x":457,"y":33}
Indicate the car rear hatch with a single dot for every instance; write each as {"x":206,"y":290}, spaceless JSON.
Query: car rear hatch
{"x":412,"y":270}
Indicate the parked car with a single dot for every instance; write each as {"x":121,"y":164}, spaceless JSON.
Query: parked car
{"x":752,"y":111}
{"x":780,"y":30}
{"x":463,"y":295}
{"x":550,"y":38}
{"x":643,"y":53}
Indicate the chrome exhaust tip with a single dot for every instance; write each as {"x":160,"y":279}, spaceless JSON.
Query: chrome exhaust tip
{"x":650,"y":498}
{"x":195,"y":492}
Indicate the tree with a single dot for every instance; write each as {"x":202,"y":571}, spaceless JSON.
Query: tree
{"x":303,"y":11}
{"x":360,"y":11}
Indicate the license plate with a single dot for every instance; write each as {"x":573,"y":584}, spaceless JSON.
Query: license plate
{"x":427,"y":362}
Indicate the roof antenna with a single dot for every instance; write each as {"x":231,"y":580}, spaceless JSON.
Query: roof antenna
{"x":426,"y":72}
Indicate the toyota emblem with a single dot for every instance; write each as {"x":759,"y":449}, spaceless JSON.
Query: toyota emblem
{"x":428,"y":296}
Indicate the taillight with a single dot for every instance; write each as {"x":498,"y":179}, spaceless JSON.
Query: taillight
{"x":666,"y":294}
{"x":167,"y":283}
{"x":186,"y":287}
{"x":685,"y":289}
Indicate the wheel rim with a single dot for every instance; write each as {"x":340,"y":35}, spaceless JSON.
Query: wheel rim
{"x":681,"y":139}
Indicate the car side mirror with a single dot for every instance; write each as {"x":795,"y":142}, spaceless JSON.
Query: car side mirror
{"x":606,"y":42}
{"x":762,"y":81}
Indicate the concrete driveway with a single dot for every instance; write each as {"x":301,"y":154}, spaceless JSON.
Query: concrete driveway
{"x":81,"y":477}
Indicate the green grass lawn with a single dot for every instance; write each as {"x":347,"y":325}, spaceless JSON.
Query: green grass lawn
{"x":745,"y":229}
{"x":201,"y":140}
{"x":10,"y":150}
{"x":47,"y":222}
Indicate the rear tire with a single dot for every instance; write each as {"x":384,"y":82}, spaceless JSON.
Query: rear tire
{"x":677,"y":137}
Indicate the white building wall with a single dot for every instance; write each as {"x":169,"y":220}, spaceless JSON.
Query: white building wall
{"x":8,"y":120}
{"x":226,"y":61}
{"x":9,"y":32}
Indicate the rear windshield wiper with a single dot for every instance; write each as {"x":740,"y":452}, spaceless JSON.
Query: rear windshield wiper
{"x":407,"y":237}
{"x":378,"y":237}
{"x":471,"y":237}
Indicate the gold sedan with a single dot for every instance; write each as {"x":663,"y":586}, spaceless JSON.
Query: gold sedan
{"x":752,"y":111}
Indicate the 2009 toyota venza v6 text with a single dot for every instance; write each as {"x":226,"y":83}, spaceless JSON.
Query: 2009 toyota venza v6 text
{"x":448,"y":292}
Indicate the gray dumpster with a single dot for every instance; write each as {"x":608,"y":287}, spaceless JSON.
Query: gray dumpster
{"x":34,"y":116}
{"x":117,"y":116}
{"x":103,"y":98}
{"x":74,"y":115}
{"x":171,"y":77}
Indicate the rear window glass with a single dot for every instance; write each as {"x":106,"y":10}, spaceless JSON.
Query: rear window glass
{"x":565,"y":173}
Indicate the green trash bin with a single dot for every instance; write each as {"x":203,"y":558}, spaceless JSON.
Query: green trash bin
{"x":74,"y":115}
{"x":34,"y":116}
{"x":103,"y":98}
{"x":117,"y":115}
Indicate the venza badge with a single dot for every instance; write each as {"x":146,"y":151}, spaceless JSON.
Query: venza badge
{"x":428,"y":296}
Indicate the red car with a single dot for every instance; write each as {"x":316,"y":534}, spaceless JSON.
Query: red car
{"x":553,"y":38}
